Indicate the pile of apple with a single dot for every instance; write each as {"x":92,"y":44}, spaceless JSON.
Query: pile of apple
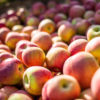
{"x":51,"y":52}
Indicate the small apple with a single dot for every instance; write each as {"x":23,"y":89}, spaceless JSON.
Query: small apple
{"x":47,"y":25}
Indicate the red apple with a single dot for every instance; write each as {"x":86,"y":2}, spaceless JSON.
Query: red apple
{"x":62,"y":87}
{"x":82,"y":66}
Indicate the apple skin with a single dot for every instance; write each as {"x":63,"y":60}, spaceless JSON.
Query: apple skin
{"x":38,"y":8}
{"x":93,"y":47}
{"x":8,"y":90}
{"x":50,"y":13}
{"x":66,"y":31}
{"x":13,"y":37}
{"x":76,"y":11}
{"x":87,"y":94}
{"x":62,"y":87}
{"x":59,"y":17}
{"x":93,"y":31}
{"x":12,"y":21}
{"x":81,"y":66}
{"x":74,"y":2}
{"x":32,"y":21}
{"x":33,"y":56}
{"x":89,"y":4}
{"x":97,"y":16}
{"x":56,"y":39}
{"x":95,"y":86}
{"x":28,"y":29}
{"x":97,"y":6}
{"x":60,"y":44}
{"x":3,"y":33}
{"x":76,"y":20}
{"x":34,"y":32}
{"x":47,"y":25}
{"x":88,"y":14}
{"x":63,"y":8}
{"x":61,"y":23}
{"x":3,"y":96}
{"x":53,"y":60}
{"x":11,"y":71}
{"x":82,"y":26}
{"x":17,"y":28}
{"x":34,"y":78}
{"x":21,"y":46}
{"x":75,"y":37}
{"x":20,"y":96}
{"x":77,"y":46}
{"x":43,"y":40}
{"x":5,"y":47}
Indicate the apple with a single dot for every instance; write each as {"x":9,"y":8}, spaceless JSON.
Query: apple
{"x":3,"y":96}
{"x":93,"y":47}
{"x":95,"y":86}
{"x":88,"y":14}
{"x":12,"y":21}
{"x":93,"y":31}
{"x":47,"y":25}
{"x":53,"y":60}
{"x":8,"y":90}
{"x":11,"y":71}
{"x":43,"y":40}
{"x":73,"y":3}
{"x":38,"y":8}
{"x":28,"y":29}
{"x":82,"y":66}
{"x":61,"y":23}
{"x":21,"y":46}
{"x":5,"y":47}
{"x":75,"y":37}
{"x":76,"y":11}
{"x":60,"y":44}
{"x":20,"y":96}
{"x":76,"y":20}
{"x":66,"y":31}
{"x":34,"y":32}
{"x":34,"y":78}
{"x":92,"y":20}
{"x":89,"y":4}
{"x":97,"y":6}
{"x":33,"y":56}
{"x":87,"y":94}
{"x":59,"y":17}
{"x":13,"y":37}
{"x":17,"y":28}
{"x":3,"y":33}
{"x":62,"y":87}
{"x":63,"y":8}
{"x":96,"y":17}
{"x":56,"y":39}
{"x":77,"y":46}
{"x":32,"y":21}
{"x":50,"y":13}
{"x":82,"y":26}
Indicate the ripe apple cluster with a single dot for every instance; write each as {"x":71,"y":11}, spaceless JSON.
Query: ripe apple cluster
{"x":51,"y":51}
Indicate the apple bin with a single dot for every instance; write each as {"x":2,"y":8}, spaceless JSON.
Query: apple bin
{"x":49,"y":50}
